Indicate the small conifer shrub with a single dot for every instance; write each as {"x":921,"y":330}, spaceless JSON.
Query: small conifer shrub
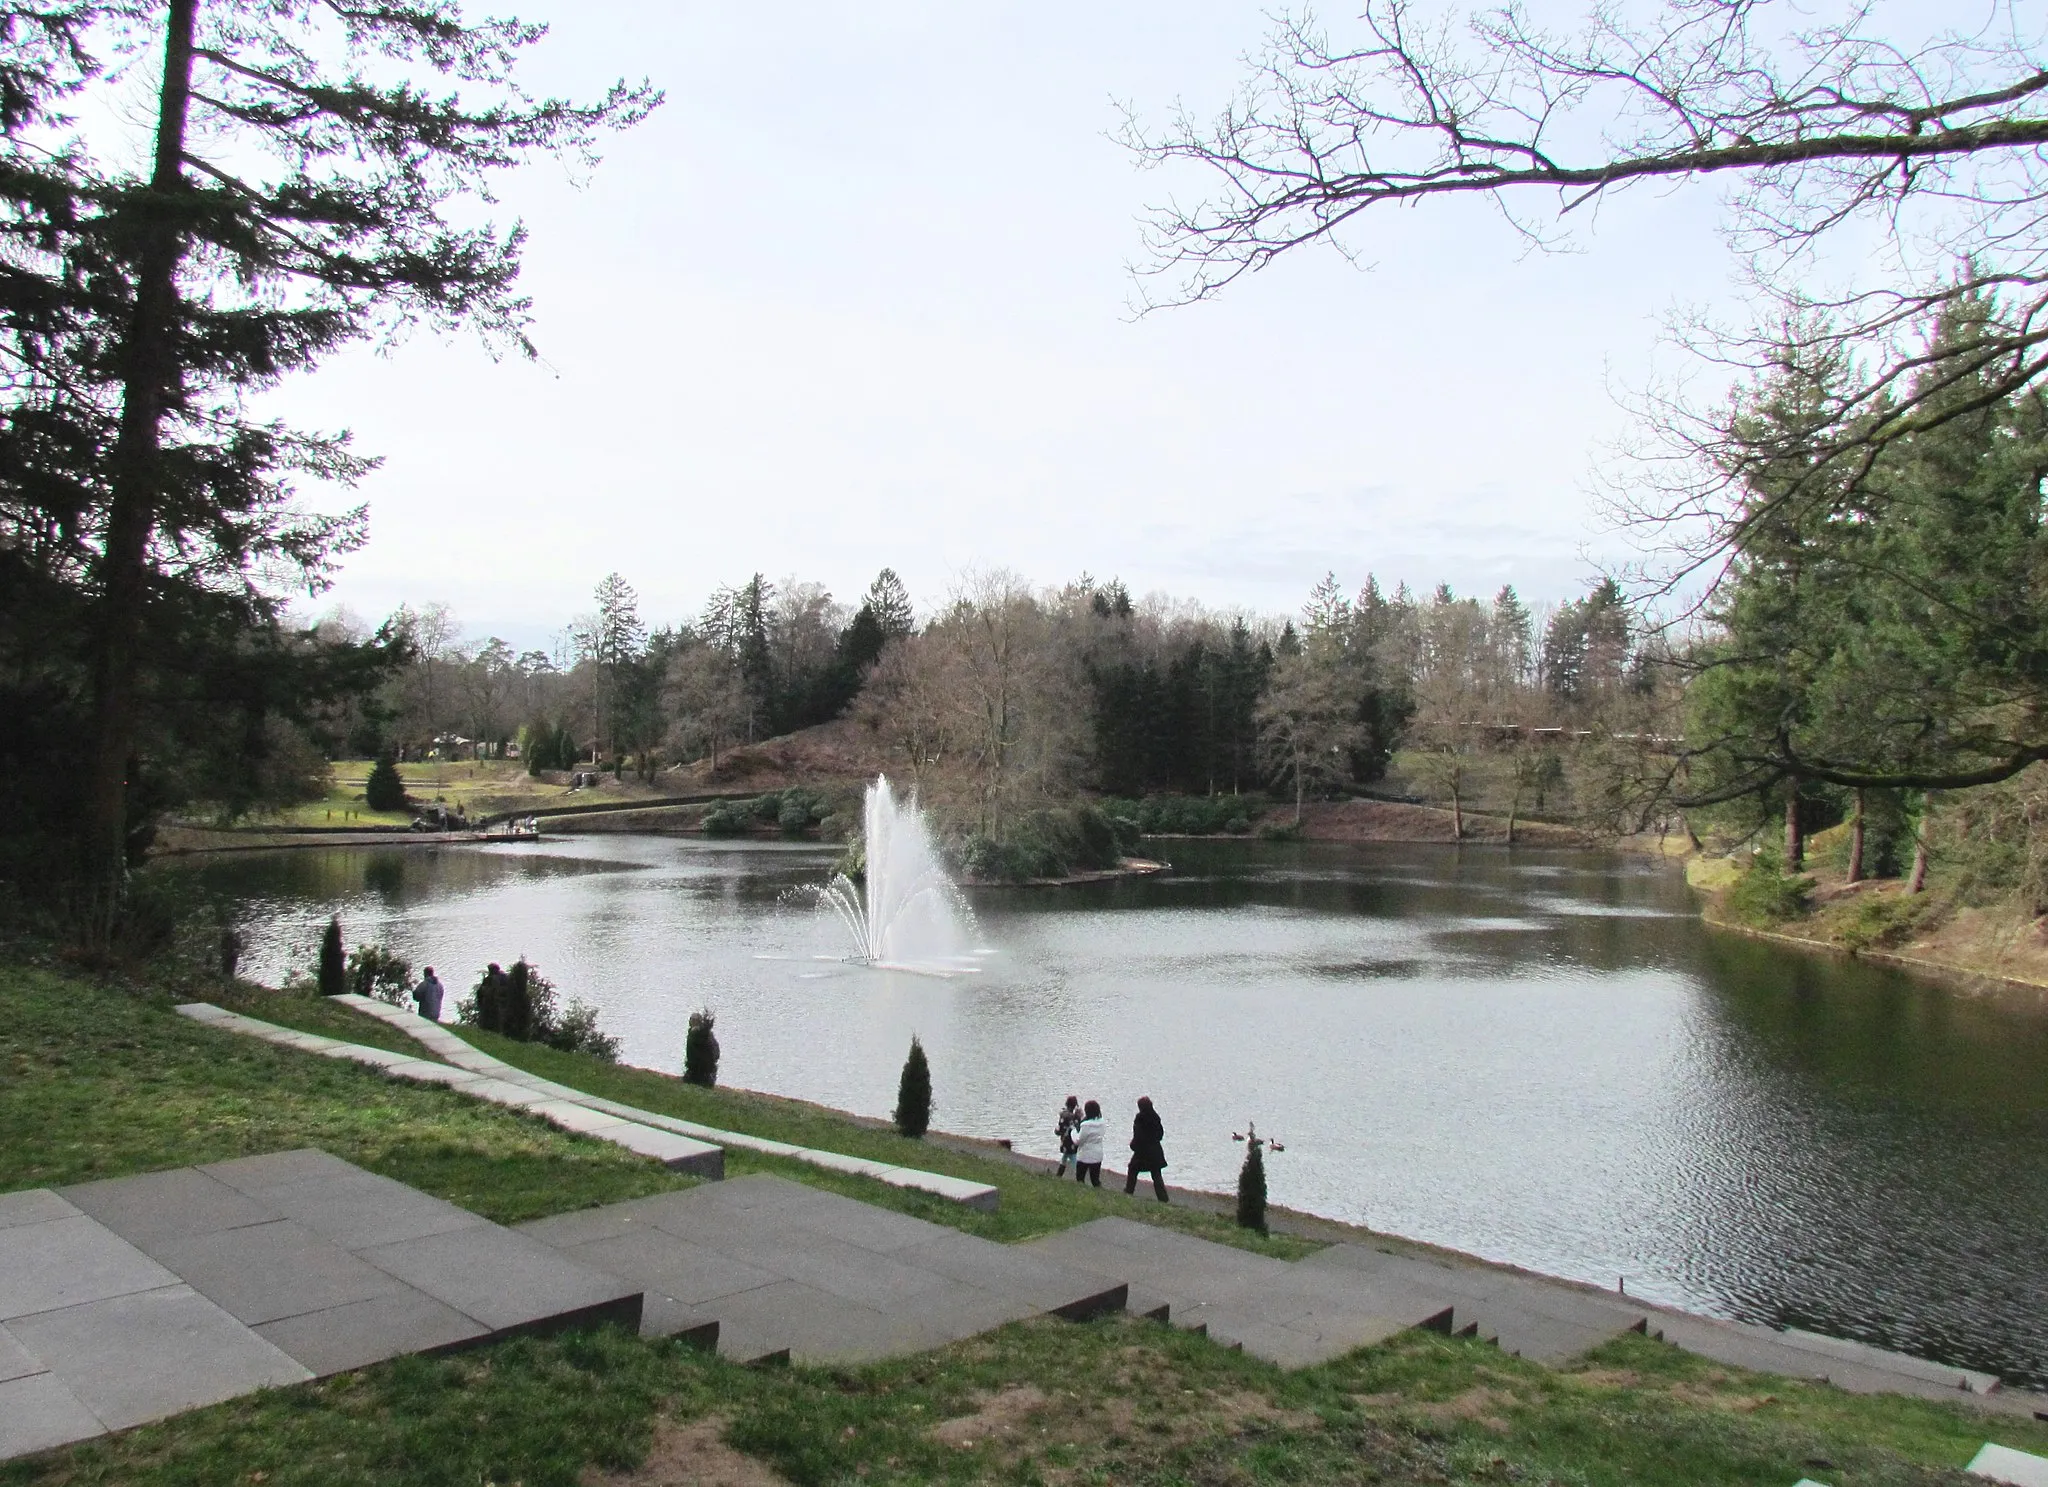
{"x":1251,"y":1188}
{"x":700,"y":1050}
{"x":333,"y":961}
{"x":914,"y":1093}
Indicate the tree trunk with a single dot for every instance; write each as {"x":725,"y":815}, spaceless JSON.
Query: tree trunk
{"x":151,"y":386}
{"x":1856,"y":842}
{"x":1457,"y":816}
{"x":1514,"y":806}
{"x":1795,"y":843}
{"x":1298,"y":787}
{"x":1918,"y":882}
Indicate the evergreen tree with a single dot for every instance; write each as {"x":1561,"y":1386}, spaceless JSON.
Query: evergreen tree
{"x":516,"y":1003}
{"x":889,"y":602}
{"x":333,"y":960}
{"x":1251,"y":1188}
{"x":914,"y":1093}
{"x":299,"y":193}
{"x":700,"y":1050}
{"x":384,"y":790}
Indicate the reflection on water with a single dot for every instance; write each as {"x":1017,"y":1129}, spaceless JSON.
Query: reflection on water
{"x":1539,"y":1057}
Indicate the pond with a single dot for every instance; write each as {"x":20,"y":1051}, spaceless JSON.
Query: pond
{"x":1537,"y":1057}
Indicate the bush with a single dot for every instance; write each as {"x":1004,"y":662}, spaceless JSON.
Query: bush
{"x":374,"y":971}
{"x":730,"y":818}
{"x":1251,"y":1188}
{"x":524,"y":1004}
{"x":700,"y":1050}
{"x":1188,"y":815}
{"x":1878,"y":920}
{"x":1767,"y":894}
{"x":1046,"y":844}
{"x":333,"y":976}
{"x":914,"y":1093}
{"x":384,"y":791}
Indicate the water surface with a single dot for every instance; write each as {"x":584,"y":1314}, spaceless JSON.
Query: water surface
{"x":1538,"y":1057}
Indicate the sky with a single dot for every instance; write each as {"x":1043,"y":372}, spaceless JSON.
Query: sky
{"x":858,"y":295}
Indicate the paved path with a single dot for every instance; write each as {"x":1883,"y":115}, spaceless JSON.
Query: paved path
{"x":128,"y":1300}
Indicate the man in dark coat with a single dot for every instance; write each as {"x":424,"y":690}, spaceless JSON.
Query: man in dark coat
{"x":1148,"y":1153}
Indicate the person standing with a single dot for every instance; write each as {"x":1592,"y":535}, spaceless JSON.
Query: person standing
{"x":427,"y":995}
{"x":1063,"y":1128}
{"x":1148,"y":1150}
{"x":1088,"y":1145}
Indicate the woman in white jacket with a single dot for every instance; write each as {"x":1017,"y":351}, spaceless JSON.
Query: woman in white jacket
{"x":1088,"y":1145}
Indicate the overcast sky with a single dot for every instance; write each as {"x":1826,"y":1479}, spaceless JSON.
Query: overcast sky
{"x":857,"y":296}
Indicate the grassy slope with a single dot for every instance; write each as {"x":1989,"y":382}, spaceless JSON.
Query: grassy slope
{"x":94,"y":1082}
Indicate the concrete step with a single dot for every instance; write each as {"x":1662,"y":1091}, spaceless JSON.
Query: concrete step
{"x":788,"y":1271}
{"x":135,"y":1298}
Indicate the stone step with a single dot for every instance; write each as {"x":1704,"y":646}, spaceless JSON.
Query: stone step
{"x":789,"y":1271}
{"x":131,"y":1299}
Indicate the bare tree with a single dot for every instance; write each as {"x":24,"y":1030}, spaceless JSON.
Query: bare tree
{"x":707,"y":698}
{"x":1308,"y":722}
{"x":1824,"y":128}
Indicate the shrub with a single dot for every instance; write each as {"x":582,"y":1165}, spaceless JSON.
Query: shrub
{"x":515,"y":1002}
{"x":1767,"y":894}
{"x":374,"y":971}
{"x":1251,"y":1188}
{"x":1877,"y":920}
{"x":333,"y":964}
{"x":730,"y":818}
{"x":914,"y":1093}
{"x":384,"y":790}
{"x":524,"y":1004}
{"x":700,"y":1050}
{"x":1046,"y":844}
{"x":1187,"y":815}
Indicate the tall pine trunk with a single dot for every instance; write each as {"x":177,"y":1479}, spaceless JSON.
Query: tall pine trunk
{"x":151,"y":387}
{"x":1856,"y":842}
{"x":1795,"y":842}
{"x":1918,"y":882}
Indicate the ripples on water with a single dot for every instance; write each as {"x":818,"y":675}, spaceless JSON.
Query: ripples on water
{"x":1539,"y":1057}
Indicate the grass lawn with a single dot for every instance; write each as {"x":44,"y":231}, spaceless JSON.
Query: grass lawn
{"x":98,"y":1083}
{"x":95,"y":1082}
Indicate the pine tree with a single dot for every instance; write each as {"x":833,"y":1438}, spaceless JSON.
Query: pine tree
{"x":889,"y":601}
{"x":333,"y":961}
{"x":914,"y":1093}
{"x":305,"y":186}
{"x":700,"y":1050}
{"x":515,"y":1005}
{"x":384,"y":790}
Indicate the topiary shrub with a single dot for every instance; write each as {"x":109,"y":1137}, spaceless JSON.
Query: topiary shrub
{"x":1251,"y":1188}
{"x":914,"y":1093}
{"x":384,"y":790}
{"x":333,"y":979}
{"x":700,"y":1050}
{"x":515,"y":1002}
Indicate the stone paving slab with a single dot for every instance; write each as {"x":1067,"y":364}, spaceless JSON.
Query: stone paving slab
{"x":40,"y":1413}
{"x":135,"y":1358}
{"x":787,"y":1270}
{"x":130,"y":1299}
{"x":502,"y":1076}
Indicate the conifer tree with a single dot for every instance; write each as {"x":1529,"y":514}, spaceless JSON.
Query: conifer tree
{"x":1251,"y":1188}
{"x":914,"y":1093}
{"x":304,"y":186}
{"x":333,"y":960}
{"x":384,"y":790}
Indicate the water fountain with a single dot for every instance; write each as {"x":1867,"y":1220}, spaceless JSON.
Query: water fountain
{"x":905,"y":914}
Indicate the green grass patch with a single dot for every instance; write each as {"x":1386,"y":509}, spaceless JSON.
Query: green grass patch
{"x":1115,"y":1401}
{"x":309,"y":1012}
{"x":1032,"y":1202}
{"x":96,"y":1082}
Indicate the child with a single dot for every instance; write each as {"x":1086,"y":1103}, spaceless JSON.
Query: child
{"x":1070,"y":1118}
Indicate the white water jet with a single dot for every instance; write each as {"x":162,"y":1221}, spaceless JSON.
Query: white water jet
{"x":905,"y":914}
